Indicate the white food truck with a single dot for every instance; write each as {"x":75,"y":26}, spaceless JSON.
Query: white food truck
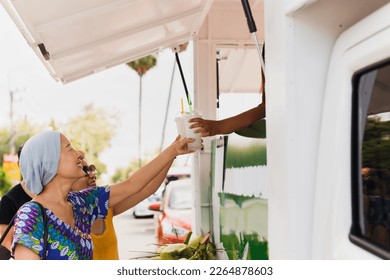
{"x":319,"y":187}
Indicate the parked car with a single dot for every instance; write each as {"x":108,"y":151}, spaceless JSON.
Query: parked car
{"x":173,"y":213}
{"x":178,"y":173}
{"x":141,"y":210}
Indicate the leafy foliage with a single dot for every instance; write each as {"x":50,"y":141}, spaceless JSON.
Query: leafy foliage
{"x":24,"y":130}
{"x":194,"y":248}
{"x":5,"y":183}
{"x":92,"y":132}
{"x":123,"y":173}
{"x":143,"y":65}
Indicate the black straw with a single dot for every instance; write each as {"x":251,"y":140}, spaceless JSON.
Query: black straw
{"x":182,"y":77}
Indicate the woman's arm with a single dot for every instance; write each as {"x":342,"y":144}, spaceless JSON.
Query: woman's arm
{"x":142,"y":177}
{"x":8,"y":239}
{"x":23,"y":253}
{"x":147,"y":191}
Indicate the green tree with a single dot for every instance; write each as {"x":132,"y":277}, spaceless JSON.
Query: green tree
{"x":92,"y":132}
{"x":5,"y":183}
{"x":122,"y":174}
{"x":141,"y":66}
{"x":53,"y":124}
{"x":24,"y":130}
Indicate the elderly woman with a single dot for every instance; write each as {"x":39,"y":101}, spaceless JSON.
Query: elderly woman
{"x":50,"y":166}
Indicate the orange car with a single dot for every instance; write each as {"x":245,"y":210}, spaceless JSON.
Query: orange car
{"x":173,"y":215}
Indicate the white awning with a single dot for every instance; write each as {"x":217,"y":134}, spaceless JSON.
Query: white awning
{"x":76,"y":38}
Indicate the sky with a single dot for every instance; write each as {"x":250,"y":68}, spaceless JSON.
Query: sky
{"x":40,"y":98}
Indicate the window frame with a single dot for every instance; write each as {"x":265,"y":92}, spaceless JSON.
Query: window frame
{"x":356,"y":234}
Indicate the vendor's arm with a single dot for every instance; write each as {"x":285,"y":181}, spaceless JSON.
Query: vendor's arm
{"x":229,"y":125}
{"x":143,"y":176}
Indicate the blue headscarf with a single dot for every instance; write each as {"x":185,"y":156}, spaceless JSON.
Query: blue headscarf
{"x":39,"y":160}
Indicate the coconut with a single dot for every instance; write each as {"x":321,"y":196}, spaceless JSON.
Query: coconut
{"x":176,"y":251}
{"x":194,"y":241}
{"x":160,"y":248}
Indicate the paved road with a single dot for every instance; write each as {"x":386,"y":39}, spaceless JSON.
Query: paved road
{"x":135,"y":236}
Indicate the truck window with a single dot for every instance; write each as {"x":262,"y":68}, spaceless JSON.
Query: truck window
{"x":371,"y":159}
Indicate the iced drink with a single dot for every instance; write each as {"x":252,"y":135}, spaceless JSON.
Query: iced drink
{"x":183,"y":127}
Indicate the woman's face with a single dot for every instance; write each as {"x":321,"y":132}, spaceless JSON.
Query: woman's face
{"x":70,"y":165}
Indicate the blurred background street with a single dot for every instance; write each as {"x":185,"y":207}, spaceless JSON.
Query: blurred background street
{"x":135,"y":236}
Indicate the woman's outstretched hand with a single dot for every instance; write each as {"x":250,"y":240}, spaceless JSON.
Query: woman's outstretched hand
{"x":180,"y":145}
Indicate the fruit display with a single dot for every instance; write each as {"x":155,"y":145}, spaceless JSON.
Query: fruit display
{"x":193,"y":248}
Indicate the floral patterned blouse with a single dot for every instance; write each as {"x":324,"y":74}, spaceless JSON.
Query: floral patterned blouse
{"x":64,"y":242}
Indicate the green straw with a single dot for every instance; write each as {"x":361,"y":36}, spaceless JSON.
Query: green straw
{"x":190,"y":105}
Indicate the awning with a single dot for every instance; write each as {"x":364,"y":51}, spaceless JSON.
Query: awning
{"x":76,"y":38}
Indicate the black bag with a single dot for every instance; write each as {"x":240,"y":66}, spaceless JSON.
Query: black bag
{"x":5,"y":254}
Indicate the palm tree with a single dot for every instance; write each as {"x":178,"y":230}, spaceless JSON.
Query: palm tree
{"x":141,"y":66}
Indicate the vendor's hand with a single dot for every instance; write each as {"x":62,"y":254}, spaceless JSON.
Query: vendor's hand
{"x":180,"y":145}
{"x":204,"y":127}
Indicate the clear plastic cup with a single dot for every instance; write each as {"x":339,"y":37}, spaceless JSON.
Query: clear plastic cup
{"x":183,"y":127}
{"x":180,"y":126}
